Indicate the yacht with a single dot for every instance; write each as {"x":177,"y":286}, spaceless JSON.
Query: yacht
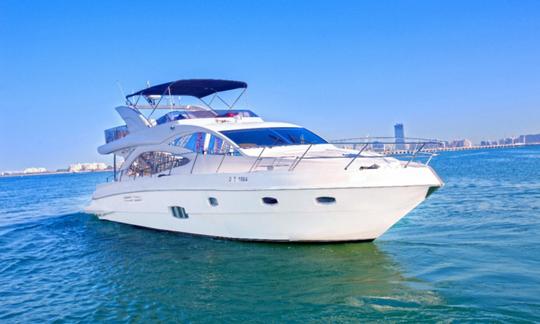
{"x":227,"y":173}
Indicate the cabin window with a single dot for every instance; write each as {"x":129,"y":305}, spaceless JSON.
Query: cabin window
{"x":150,"y":163}
{"x":270,"y":200}
{"x":326,"y":200}
{"x":213,"y":201}
{"x":203,"y":143}
{"x":273,"y":136}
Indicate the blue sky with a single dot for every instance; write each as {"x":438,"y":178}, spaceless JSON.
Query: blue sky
{"x":446,"y":69}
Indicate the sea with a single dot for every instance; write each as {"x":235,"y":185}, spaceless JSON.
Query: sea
{"x":469,"y":253}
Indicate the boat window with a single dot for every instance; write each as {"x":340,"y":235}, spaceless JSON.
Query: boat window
{"x":270,"y":200}
{"x":193,"y":142}
{"x":149,"y":163}
{"x":204,"y":143}
{"x":273,"y":136}
{"x":326,"y":200}
{"x":213,"y":201}
{"x":170,"y":116}
{"x":115,"y":133}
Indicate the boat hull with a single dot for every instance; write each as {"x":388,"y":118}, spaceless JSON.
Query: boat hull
{"x":358,"y":214}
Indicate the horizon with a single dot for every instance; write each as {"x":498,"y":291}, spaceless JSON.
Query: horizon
{"x":109,"y":166}
{"x":445,"y":70}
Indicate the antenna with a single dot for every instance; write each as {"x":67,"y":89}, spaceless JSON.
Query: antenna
{"x":121,"y":89}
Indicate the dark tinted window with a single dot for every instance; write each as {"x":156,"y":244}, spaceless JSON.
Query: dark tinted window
{"x":213,"y":201}
{"x":275,"y":136}
{"x":326,"y":200}
{"x":269,"y":200}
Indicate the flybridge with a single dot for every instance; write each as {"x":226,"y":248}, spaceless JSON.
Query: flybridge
{"x":168,"y":96}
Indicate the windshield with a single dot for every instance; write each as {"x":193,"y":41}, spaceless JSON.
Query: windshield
{"x":275,"y":136}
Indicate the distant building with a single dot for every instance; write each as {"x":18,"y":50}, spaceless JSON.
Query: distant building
{"x":530,"y":139}
{"x":8,"y":173}
{"x":377,"y":146}
{"x":460,"y":143}
{"x":508,"y":141}
{"x":81,"y":167}
{"x":435,"y":144}
{"x":399,"y":135}
{"x":34,"y":170}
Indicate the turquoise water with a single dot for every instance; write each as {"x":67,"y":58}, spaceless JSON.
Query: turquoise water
{"x":471,"y":252}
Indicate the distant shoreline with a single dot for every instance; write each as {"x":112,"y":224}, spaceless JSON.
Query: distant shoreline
{"x":466,"y":148}
{"x":50,"y":173}
{"x":480,"y":147}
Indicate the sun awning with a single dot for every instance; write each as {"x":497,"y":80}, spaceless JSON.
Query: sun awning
{"x":199,"y":88}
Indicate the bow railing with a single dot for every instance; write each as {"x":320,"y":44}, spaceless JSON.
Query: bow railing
{"x":407,"y":148}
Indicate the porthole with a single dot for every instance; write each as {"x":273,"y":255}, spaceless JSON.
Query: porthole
{"x":270,"y":200}
{"x":326,"y":200}
{"x":178,"y":212}
{"x":213,"y":201}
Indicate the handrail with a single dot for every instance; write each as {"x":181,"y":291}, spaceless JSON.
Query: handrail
{"x":430,"y":157}
{"x":408,"y":153}
{"x":220,"y":163}
{"x":194,"y":161}
{"x":257,"y":160}
{"x":398,"y":147}
{"x":414,"y":155}
{"x":294,"y":165}
{"x":356,"y":156}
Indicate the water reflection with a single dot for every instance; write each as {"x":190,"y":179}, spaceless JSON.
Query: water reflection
{"x":171,"y":274}
{"x":75,"y":267}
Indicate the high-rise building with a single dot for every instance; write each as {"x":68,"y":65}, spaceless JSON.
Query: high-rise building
{"x":399,"y":135}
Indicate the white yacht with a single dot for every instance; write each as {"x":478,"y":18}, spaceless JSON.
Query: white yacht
{"x":230,"y":174}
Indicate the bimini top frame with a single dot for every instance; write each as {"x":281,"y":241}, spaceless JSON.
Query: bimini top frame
{"x":198,"y":88}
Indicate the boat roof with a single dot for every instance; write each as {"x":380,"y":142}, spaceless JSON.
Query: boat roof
{"x":198,"y":88}
{"x":160,"y":133}
{"x":225,"y":124}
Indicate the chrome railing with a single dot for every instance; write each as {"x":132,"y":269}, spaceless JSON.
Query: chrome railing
{"x":408,"y":151}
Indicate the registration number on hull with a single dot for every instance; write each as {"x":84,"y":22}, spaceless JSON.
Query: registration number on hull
{"x":235,"y":179}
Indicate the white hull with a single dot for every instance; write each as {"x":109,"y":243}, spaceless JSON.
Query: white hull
{"x":365,"y":205}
